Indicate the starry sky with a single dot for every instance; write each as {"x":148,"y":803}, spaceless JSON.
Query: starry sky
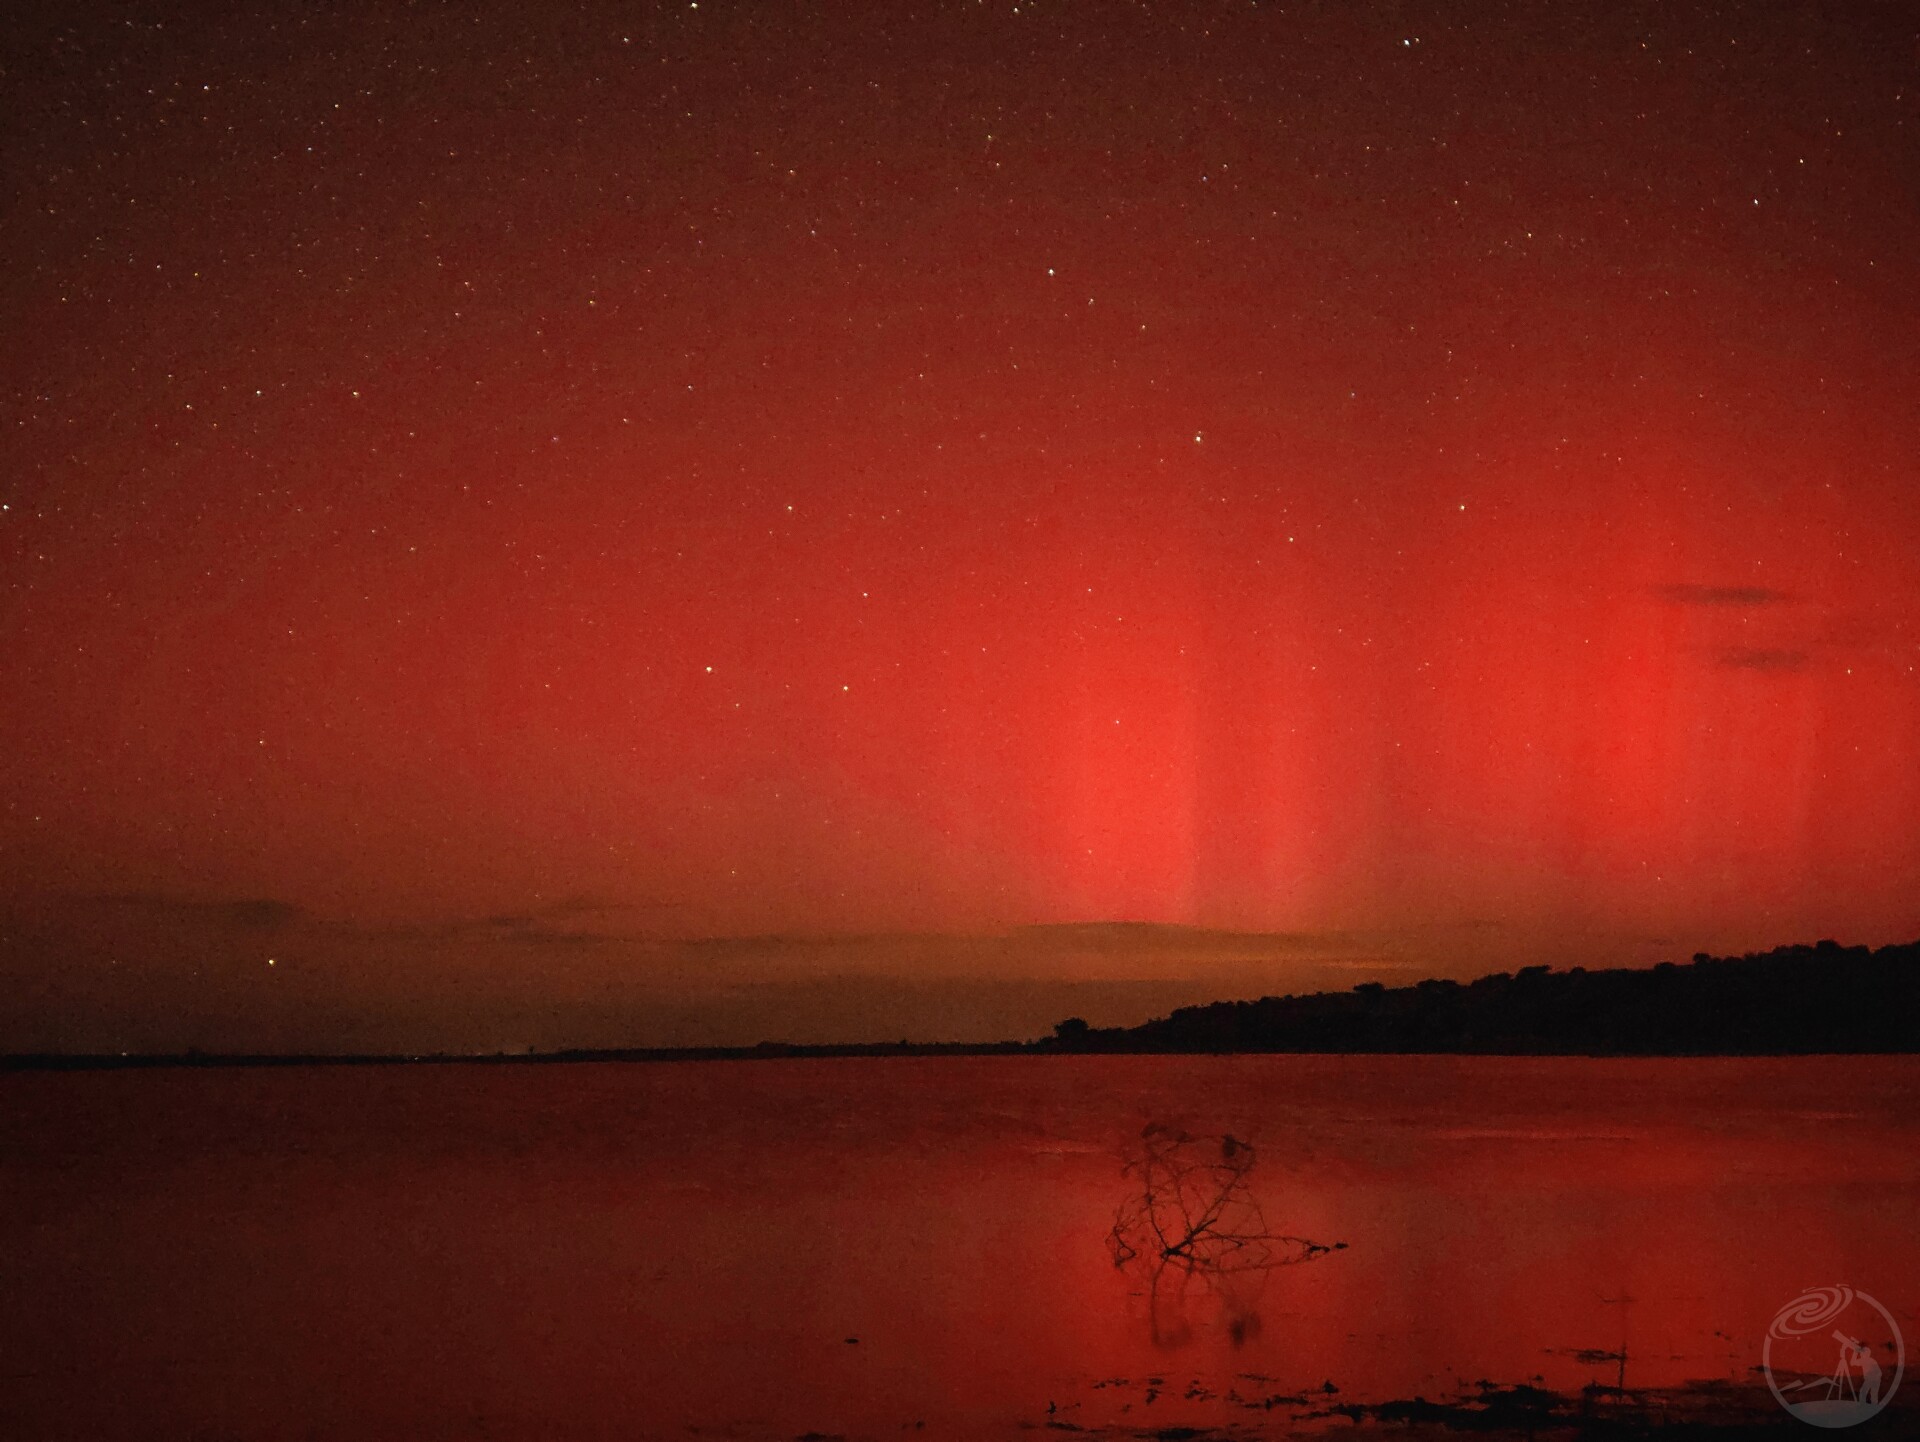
{"x":678,"y":523}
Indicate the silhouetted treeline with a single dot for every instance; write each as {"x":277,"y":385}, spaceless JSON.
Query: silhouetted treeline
{"x":1823,"y":998}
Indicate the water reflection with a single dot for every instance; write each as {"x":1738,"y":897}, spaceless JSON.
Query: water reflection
{"x":397,"y":1255}
{"x":1194,"y":1227}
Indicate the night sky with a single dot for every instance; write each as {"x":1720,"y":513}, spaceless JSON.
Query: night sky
{"x":537,"y":525}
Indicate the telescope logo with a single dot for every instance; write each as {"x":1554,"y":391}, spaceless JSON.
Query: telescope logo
{"x":1833,"y":1356}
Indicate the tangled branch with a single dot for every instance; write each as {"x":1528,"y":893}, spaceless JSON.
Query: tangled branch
{"x":1193,"y":1215}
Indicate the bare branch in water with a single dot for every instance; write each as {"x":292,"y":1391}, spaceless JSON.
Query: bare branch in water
{"x":1193,"y":1215}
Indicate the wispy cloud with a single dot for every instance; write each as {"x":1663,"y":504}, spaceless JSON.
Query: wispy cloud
{"x":573,"y":921}
{"x":1780,"y":645}
{"x":242,"y":914}
{"x":1107,"y":950}
{"x":1759,"y":658}
{"x":1688,"y":594}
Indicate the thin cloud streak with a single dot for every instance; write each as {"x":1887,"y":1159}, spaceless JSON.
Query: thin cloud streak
{"x":1686,"y":594}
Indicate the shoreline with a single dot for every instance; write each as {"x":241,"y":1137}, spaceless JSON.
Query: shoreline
{"x":87,"y":1061}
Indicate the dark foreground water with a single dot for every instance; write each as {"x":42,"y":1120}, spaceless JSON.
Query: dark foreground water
{"x":878,"y":1248}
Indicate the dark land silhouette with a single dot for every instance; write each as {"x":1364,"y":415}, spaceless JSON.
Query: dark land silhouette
{"x":1793,"y":1000}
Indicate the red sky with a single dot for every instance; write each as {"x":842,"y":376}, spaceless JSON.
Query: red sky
{"x":1429,"y":487}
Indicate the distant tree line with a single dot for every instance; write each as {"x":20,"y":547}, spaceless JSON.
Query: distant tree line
{"x":1795,"y":999}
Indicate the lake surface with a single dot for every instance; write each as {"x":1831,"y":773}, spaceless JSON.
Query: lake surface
{"x":926,"y":1247}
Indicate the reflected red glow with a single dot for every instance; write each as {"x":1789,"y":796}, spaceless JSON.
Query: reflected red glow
{"x":697,"y":1243}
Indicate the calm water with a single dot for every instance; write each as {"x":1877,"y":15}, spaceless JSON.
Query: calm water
{"x":869,"y":1248}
